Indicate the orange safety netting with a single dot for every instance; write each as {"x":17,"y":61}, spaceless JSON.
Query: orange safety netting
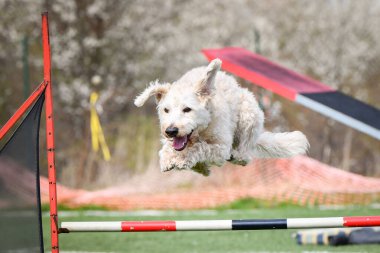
{"x":300,"y":180}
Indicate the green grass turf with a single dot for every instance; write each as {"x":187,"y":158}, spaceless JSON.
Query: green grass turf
{"x":192,"y":242}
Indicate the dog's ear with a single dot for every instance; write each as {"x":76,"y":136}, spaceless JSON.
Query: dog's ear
{"x":206,"y":85}
{"x":154,"y":88}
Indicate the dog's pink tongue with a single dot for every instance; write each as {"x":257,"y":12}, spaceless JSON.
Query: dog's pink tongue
{"x":179,"y":142}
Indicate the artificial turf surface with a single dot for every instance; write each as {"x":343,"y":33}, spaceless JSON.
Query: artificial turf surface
{"x":192,"y":242}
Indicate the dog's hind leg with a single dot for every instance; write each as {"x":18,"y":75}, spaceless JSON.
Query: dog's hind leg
{"x":249,"y":127}
{"x":202,"y":168}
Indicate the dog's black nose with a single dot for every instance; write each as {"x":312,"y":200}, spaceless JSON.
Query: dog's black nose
{"x":171,"y":131}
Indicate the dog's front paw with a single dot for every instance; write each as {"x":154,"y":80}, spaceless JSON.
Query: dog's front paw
{"x":177,"y":160}
{"x":167,"y":159}
{"x":184,"y":164}
{"x":176,"y":166}
{"x":169,"y":163}
{"x":168,"y":168}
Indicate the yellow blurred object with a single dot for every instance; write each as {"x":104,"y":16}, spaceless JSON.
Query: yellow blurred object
{"x":97,"y":136}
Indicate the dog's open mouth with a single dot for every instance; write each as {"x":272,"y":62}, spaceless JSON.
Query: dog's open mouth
{"x":180,"y":142}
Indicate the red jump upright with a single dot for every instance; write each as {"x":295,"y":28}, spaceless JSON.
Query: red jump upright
{"x":50,"y":135}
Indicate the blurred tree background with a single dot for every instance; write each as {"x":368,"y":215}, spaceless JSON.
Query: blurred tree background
{"x":129,"y":43}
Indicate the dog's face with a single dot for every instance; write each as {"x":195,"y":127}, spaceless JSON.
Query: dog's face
{"x":183,"y":107}
{"x":182,"y":113}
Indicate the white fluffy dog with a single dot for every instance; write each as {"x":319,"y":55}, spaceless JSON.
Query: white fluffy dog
{"x":207,"y":119}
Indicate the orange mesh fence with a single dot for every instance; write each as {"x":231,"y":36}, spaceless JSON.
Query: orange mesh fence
{"x":300,"y":180}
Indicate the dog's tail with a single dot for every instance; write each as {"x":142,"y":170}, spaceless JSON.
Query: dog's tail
{"x":281,"y":145}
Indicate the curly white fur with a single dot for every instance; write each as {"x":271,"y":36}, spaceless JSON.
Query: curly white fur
{"x":219,"y":119}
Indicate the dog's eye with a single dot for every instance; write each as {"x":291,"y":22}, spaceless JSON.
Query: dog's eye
{"x":187,"y":109}
{"x":166,"y":110}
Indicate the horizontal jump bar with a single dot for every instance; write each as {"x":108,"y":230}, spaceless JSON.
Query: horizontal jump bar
{"x":215,"y":225}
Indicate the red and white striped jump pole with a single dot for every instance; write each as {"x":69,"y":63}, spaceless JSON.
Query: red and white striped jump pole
{"x":215,"y":225}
